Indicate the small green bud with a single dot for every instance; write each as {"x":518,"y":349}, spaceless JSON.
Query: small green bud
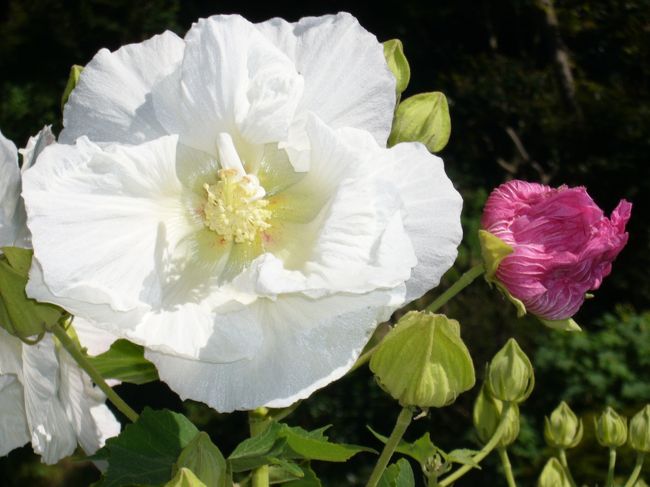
{"x":563,"y":430}
{"x":423,"y":361}
{"x":510,"y":375}
{"x":399,"y":66}
{"x":73,"y":79}
{"x":205,"y":460}
{"x":487,"y":416}
{"x":185,"y":478}
{"x":422,"y":118}
{"x":611,"y":429}
{"x":639,"y":437}
{"x":553,"y":475}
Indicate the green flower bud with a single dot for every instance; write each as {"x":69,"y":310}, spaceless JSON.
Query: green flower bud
{"x":611,"y":429}
{"x":73,"y":79}
{"x":553,"y":475}
{"x":423,"y":361}
{"x":639,"y":438}
{"x":399,"y":66}
{"x":185,"y":478}
{"x":204,"y":460}
{"x":563,"y":429}
{"x":487,"y":415}
{"x":422,"y":118}
{"x":510,"y":375}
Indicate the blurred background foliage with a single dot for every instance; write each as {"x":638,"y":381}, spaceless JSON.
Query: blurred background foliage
{"x":557,"y":96}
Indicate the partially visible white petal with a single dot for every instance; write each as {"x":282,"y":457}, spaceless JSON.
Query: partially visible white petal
{"x":307,"y":344}
{"x":94,"y":339}
{"x":35,"y":146}
{"x":79,"y":398}
{"x":10,"y":217}
{"x":347,"y":80}
{"x":112,"y":101}
{"x":10,"y":354}
{"x":52,"y":434}
{"x":13,"y":423}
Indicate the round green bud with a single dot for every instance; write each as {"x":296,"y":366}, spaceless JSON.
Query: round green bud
{"x":510,"y":375}
{"x":487,"y":416}
{"x":422,"y":118}
{"x":423,"y":361}
{"x":397,"y":63}
{"x":553,"y":475}
{"x":611,"y":429}
{"x":563,"y":429}
{"x":639,"y":437}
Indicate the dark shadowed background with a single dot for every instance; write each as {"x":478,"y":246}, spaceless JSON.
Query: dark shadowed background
{"x":556,"y":96}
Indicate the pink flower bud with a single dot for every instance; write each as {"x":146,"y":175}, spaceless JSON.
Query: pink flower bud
{"x":563,"y":244}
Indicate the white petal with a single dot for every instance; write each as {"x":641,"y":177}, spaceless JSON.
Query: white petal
{"x":347,"y":81}
{"x":10,"y":354}
{"x":79,"y":398}
{"x":112,"y":101}
{"x":35,"y":146}
{"x":11,"y":219}
{"x":94,"y":339}
{"x":307,"y":344}
{"x":432,"y":209}
{"x":103,"y":220}
{"x":51,"y":432}
{"x":13,"y":422}
{"x":234,"y":81}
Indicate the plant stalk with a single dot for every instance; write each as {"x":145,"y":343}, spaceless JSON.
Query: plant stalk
{"x":610,"y":469}
{"x":464,"y":281}
{"x":634,"y":476}
{"x":507,"y":468}
{"x":258,"y":421}
{"x":563,"y":461}
{"x":403,"y":421}
{"x":75,"y":352}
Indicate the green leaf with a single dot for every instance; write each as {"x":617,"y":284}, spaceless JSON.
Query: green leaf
{"x":145,"y":451}
{"x":22,"y":316}
{"x":463,"y":456}
{"x":185,"y":478}
{"x":204,"y":459}
{"x":420,"y":450}
{"x":315,"y":446}
{"x":73,"y":79}
{"x":422,"y":118}
{"x":256,"y":451}
{"x":309,"y":480}
{"x":285,"y":471}
{"x":125,"y":361}
{"x":399,"y":474}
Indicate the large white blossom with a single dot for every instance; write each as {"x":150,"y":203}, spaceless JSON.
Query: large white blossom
{"x":45,"y":398}
{"x":229,"y":203}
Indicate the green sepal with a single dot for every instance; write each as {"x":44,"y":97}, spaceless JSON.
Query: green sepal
{"x":185,"y":478}
{"x":487,"y":415}
{"x":493,"y":251}
{"x":567,"y":324}
{"x":204,"y":459}
{"x":423,"y":361}
{"x":21,"y":316}
{"x":73,"y":79}
{"x":422,"y":118}
{"x":399,"y":66}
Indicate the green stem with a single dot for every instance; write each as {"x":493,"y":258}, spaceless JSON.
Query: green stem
{"x":433,"y":480}
{"x":485,"y":451}
{"x":507,"y":468}
{"x":610,"y":469}
{"x":75,"y":352}
{"x":403,"y":421}
{"x":640,"y":456}
{"x":258,"y":421}
{"x":563,"y":461}
{"x":464,"y":281}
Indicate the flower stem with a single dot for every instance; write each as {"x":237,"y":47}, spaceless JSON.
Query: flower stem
{"x":610,"y":469}
{"x":464,"y":281}
{"x":258,"y":421}
{"x":485,"y":451}
{"x":640,"y":456}
{"x":75,"y":352}
{"x":507,"y":468}
{"x":403,"y":421}
{"x":563,"y":461}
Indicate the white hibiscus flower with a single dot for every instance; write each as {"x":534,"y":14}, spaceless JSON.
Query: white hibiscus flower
{"x":45,"y":397}
{"x":254,"y":250}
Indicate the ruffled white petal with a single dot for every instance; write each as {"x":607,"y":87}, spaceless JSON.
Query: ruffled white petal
{"x":13,"y":423}
{"x":10,"y":354}
{"x":94,"y":339}
{"x":112,"y":101}
{"x":10,"y":218}
{"x":347,"y":81}
{"x":35,"y":146}
{"x":52,"y":434}
{"x":307,"y":344}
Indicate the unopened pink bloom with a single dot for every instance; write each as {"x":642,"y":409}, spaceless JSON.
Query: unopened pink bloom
{"x":563,"y":244}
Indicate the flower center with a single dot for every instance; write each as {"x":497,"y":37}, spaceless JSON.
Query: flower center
{"x":236,"y":209}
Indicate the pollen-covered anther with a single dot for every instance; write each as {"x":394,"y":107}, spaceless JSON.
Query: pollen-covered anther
{"x":236,"y":209}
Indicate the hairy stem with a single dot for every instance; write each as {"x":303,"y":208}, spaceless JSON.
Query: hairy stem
{"x":464,"y":281}
{"x":75,"y":352}
{"x":403,"y":421}
{"x":507,"y":468}
{"x":640,"y":456}
{"x":485,"y":451}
